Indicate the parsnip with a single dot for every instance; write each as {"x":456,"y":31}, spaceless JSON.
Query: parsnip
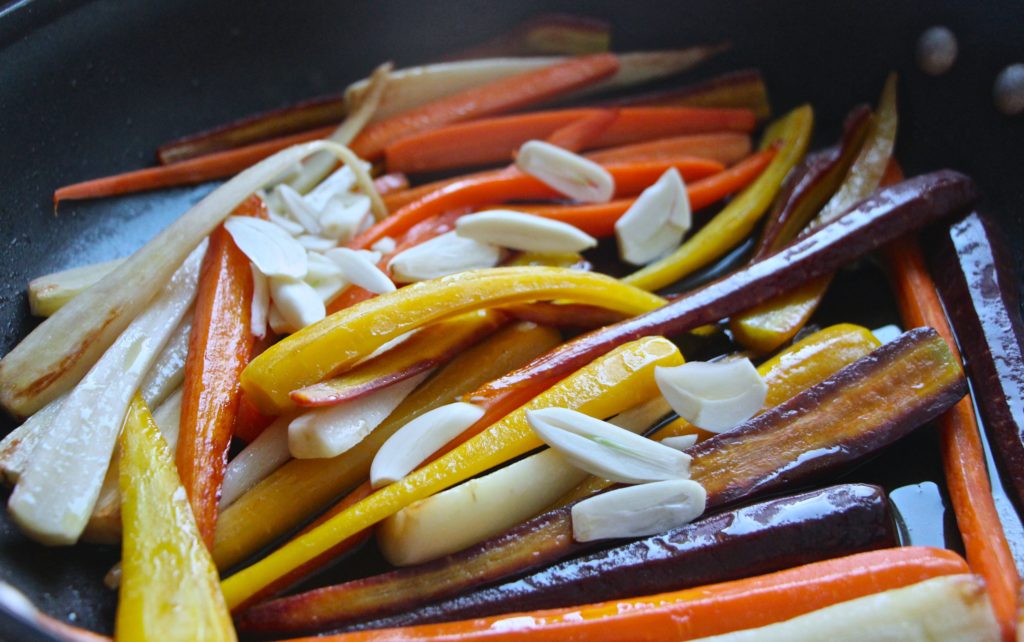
{"x":49,"y":293}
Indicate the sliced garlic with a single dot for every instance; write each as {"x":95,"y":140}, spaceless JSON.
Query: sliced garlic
{"x":713,"y":396}
{"x":287,"y":224}
{"x":300,"y":210}
{"x":274,"y":251}
{"x":339,"y":182}
{"x":577,"y":177}
{"x":316,"y":243}
{"x":260,"y":303}
{"x":328,"y":432}
{"x":297,"y":301}
{"x":524,"y":232}
{"x":441,"y":256}
{"x":420,"y":438}
{"x":682,"y":442}
{"x":605,"y":450}
{"x":638,"y":511}
{"x":385,"y":245}
{"x":277,"y":323}
{"x":344,"y":215}
{"x":655,"y":223}
{"x":359,"y":270}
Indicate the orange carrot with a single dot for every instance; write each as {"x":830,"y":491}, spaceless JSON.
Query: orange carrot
{"x":630,"y":179}
{"x":219,"y":349}
{"x":697,"y":612}
{"x":580,"y":134}
{"x":507,"y":94}
{"x":494,"y":140}
{"x":599,"y":219}
{"x":725,"y":147}
{"x":963,"y":457}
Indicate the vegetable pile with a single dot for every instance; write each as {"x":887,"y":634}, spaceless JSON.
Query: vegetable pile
{"x":329,"y":348}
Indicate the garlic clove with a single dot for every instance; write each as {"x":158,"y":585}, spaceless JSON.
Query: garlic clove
{"x":385,"y":245}
{"x":359,"y":270}
{"x":577,"y":177}
{"x":299,"y":208}
{"x":343,"y":216}
{"x":288,"y":225}
{"x":713,"y":396}
{"x":417,"y":440}
{"x":638,"y":511}
{"x":316,"y":243}
{"x":605,"y":450}
{"x":441,"y":256}
{"x":341,"y":181}
{"x":260,"y":303}
{"x":297,"y":302}
{"x":682,"y":442}
{"x":656,"y":222}
{"x":524,"y":232}
{"x":271,"y":248}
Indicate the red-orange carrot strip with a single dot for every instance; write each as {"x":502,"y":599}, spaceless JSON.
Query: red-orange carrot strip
{"x":724,"y":147}
{"x":581,"y":133}
{"x":219,"y":349}
{"x":507,"y":94}
{"x":697,"y":612}
{"x":599,"y":219}
{"x":630,"y":179}
{"x":963,"y":458}
{"x":495,"y":140}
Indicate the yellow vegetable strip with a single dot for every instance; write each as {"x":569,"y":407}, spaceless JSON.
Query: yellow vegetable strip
{"x":603,"y":388}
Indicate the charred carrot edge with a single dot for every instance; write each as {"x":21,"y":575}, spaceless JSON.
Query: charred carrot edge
{"x":219,"y":349}
{"x":495,"y":140}
{"x":963,"y":458}
{"x":698,"y":612}
{"x":577,"y":135}
{"x":630,"y":179}
{"x":495,"y":97}
{"x":599,"y":220}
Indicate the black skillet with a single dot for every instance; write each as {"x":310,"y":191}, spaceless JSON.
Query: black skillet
{"x":92,"y":88}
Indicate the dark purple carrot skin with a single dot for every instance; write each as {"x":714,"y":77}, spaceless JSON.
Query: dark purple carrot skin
{"x":883,"y":217}
{"x":746,"y":83}
{"x":756,"y":539}
{"x":811,"y":184}
{"x":852,"y":414}
{"x":979,"y":287}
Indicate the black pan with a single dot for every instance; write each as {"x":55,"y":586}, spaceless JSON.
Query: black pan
{"x":92,"y":88}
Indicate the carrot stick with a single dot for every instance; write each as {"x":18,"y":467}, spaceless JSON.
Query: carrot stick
{"x":581,"y":133}
{"x":630,"y":179}
{"x":494,"y":140}
{"x":963,"y":458}
{"x":697,"y":612}
{"x":598,"y":220}
{"x":219,"y":349}
{"x":503,"y":95}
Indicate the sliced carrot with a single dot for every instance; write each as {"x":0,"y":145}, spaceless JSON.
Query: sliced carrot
{"x":219,"y":349}
{"x":697,"y":612}
{"x":630,"y":179}
{"x":599,"y":219}
{"x":725,"y":147}
{"x":507,"y":94}
{"x":581,"y":133}
{"x":494,"y":140}
{"x":963,"y":457}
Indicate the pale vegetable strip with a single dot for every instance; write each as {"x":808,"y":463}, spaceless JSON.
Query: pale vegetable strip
{"x":57,"y":490}
{"x":50,"y":292}
{"x":62,"y":349}
{"x":263,"y":456}
{"x":168,"y":371}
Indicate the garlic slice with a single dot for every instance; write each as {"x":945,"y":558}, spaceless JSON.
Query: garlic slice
{"x":315,"y":243}
{"x":341,"y":181}
{"x":300,"y":210}
{"x":638,"y":511}
{"x":270,"y":247}
{"x":260,"y":303}
{"x":385,"y":245}
{"x":297,"y":301}
{"x":605,"y":450}
{"x":524,"y":232}
{"x":441,"y":256}
{"x":682,"y":442}
{"x":655,"y":223}
{"x":577,"y":177}
{"x":420,"y":438}
{"x":343,"y":215}
{"x":359,"y":270}
{"x":286,"y":224}
{"x":713,"y":396}
{"x":328,"y":432}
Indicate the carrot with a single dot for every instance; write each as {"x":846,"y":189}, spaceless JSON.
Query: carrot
{"x":219,"y":349}
{"x":503,"y":95}
{"x":963,"y":457}
{"x":599,"y":219}
{"x":494,"y":140}
{"x":579,"y":134}
{"x":725,"y":147}
{"x":697,"y":612}
{"x":630,"y":179}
